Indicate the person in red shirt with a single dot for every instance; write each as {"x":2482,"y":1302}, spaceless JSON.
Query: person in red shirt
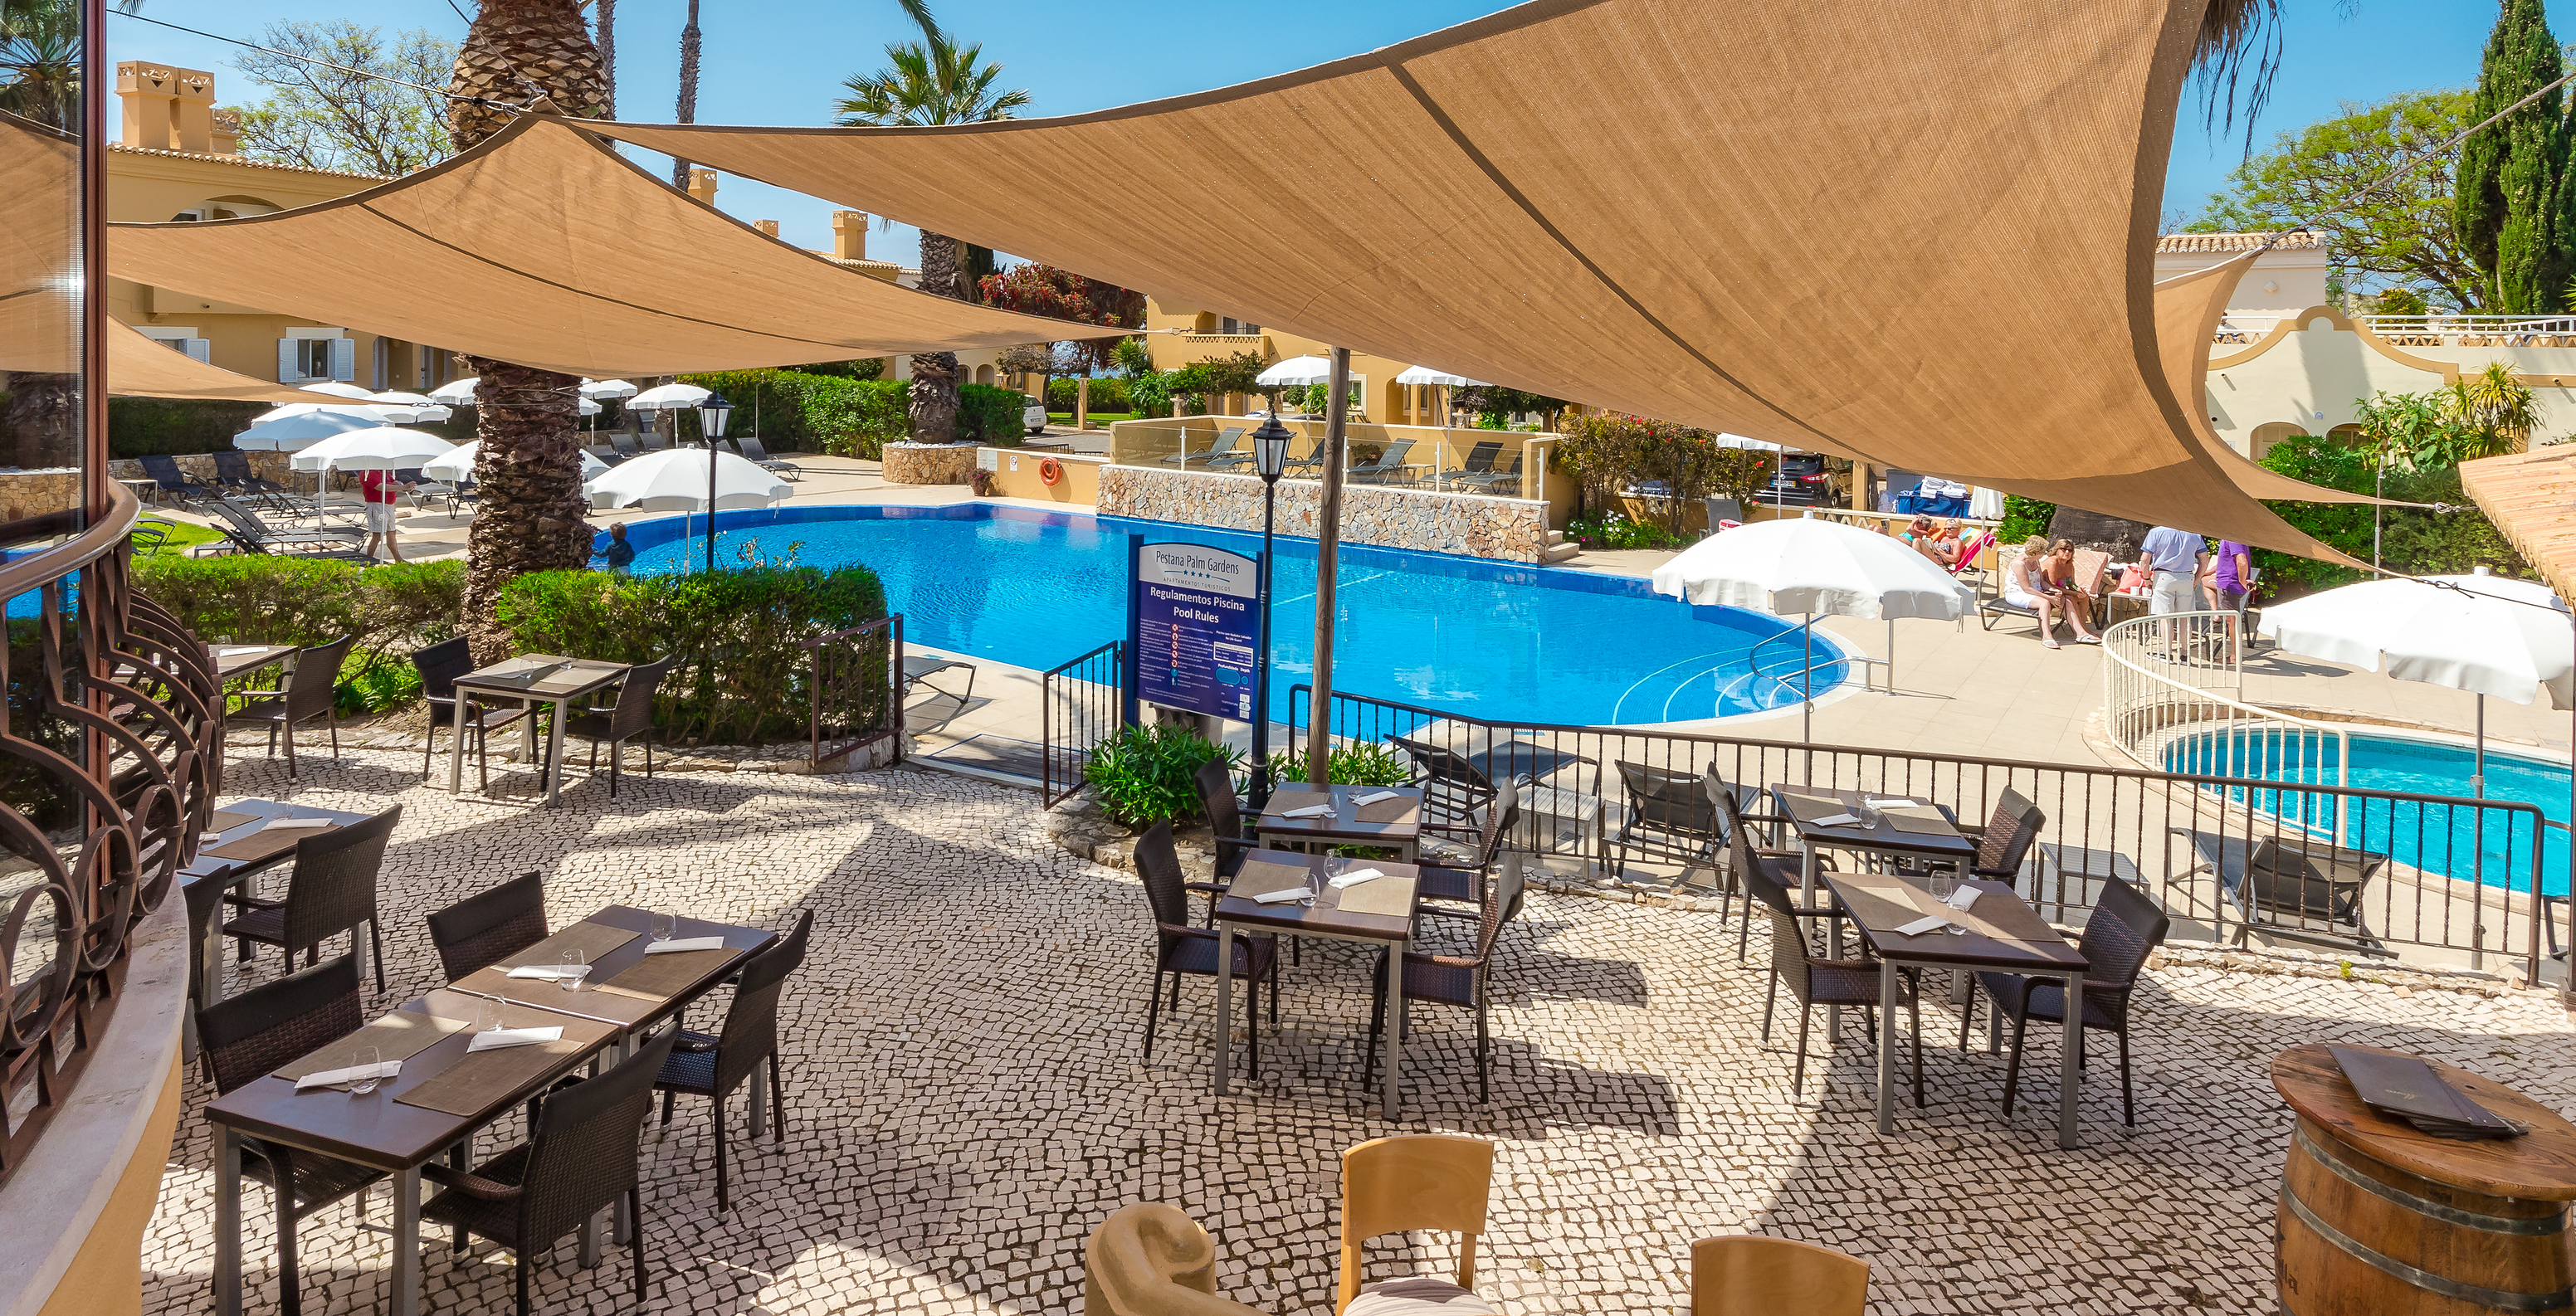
{"x":379,"y":489}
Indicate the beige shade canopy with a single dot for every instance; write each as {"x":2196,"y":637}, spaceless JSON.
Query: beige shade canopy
{"x":1913,"y":232}
{"x":543,"y":247}
{"x":140,"y":367}
{"x":38,"y":232}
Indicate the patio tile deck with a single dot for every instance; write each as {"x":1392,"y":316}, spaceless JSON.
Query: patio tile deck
{"x":966,"y":1097}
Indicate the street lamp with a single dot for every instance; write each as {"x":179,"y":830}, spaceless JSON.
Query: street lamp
{"x":712,"y":415}
{"x":1270,"y":458}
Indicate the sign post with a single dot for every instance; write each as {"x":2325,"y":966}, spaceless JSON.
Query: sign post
{"x":1193,"y":625}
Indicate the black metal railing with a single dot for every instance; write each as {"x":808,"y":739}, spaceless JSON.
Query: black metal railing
{"x":855,"y":681}
{"x":110,"y":758}
{"x":2350,"y":870}
{"x":1081,"y":703}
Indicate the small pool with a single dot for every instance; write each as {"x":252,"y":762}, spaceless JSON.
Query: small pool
{"x":2436,"y":838}
{"x":1464,"y":635}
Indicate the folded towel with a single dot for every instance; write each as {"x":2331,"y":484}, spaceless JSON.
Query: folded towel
{"x":335,"y":1077}
{"x":1282,"y":896}
{"x":493,"y":1041}
{"x":1355,"y":877}
{"x":1837,"y":820}
{"x":679,"y":944}
{"x":1373,"y":797}
{"x":1310,"y":811}
{"x":290,"y":824}
{"x":1927,"y":923}
{"x":551,"y":972}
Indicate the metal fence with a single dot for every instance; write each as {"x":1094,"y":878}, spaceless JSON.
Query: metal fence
{"x":856,"y":683}
{"x":2356,"y":872}
{"x":1081,"y":703}
{"x":2173,"y":697}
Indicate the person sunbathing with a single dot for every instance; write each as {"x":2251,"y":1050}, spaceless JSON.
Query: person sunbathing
{"x":2075,"y":596}
{"x":2026,"y":585}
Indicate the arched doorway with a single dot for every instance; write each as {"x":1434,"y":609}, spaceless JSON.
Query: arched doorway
{"x":2265,"y":436}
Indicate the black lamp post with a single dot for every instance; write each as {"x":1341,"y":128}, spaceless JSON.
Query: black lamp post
{"x":712,"y":415}
{"x":1270,"y":458}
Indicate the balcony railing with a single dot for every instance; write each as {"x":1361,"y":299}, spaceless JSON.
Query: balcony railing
{"x":2424,"y":330}
{"x":110,"y":759}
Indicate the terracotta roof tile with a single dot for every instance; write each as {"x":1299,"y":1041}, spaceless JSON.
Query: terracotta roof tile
{"x":2188,"y":242}
{"x":243,"y":161}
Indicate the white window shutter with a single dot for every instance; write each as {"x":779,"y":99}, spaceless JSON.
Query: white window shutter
{"x":290,"y":366}
{"x":344,"y":360}
{"x":198,"y":349}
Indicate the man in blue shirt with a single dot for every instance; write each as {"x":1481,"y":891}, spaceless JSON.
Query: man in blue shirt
{"x":2175,"y":556}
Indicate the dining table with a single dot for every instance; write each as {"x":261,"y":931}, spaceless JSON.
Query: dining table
{"x":1375,"y":911}
{"x":530,"y":680}
{"x":232,"y":660}
{"x":445,"y":1092}
{"x":238,"y":846}
{"x":1391,"y":817}
{"x":1833,"y":818}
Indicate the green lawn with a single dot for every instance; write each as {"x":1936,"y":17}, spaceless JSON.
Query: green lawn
{"x":183,"y":535}
{"x":1096,"y":418}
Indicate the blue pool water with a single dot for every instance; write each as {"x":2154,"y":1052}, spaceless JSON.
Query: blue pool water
{"x":1479,"y":638}
{"x":2470,"y":845}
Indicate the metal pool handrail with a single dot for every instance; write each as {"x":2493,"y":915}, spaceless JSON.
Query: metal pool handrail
{"x":2149,"y":711}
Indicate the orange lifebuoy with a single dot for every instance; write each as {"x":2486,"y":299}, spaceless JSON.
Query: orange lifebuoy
{"x":1050,"y":470}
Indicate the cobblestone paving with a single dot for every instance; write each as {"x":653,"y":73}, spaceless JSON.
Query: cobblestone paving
{"x":966,"y":1097}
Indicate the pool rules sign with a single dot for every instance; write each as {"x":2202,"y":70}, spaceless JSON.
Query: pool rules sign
{"x":1191,"y":624}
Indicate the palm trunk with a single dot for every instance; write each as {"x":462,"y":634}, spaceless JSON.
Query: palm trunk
{"x":688,"y":107}
{"x":933,"y":397}
{"x":529,"y":472}
{"x":608,"y":59}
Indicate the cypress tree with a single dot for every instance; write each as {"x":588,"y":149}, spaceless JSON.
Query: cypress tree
{"x":2507,"y":200}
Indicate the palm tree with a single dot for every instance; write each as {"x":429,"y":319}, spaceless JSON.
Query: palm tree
{"x":40,"y":58}
{"x":688,"y":107}
{"x":926,"y":82}
{"x":529,"y":468}
{"x":608,"y":59}
{"x":2496,"y":411}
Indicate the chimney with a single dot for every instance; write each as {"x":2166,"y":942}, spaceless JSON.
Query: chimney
{"x":702,"y":184}
{"x":849,"y":235}
{"x":151,"y":97}
{"x":195,"y":111}
{"x":768,"y":227}
{"x":227,"y":132}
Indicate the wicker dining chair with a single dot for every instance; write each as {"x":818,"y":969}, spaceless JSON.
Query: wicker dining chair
{"x":1466,"y":886}
{"x":1459,"y":980}
{"x":245,"y":1037}
{"x":1813,"y":982}
{"x":2123,"y":929}
{"x":1225,"y":816}
{"x":1180,"y":949}
{"x":713,"y":1066}
{"x":2003,"y":843}
{"x":581,"y":1155}
{"x":331,"y":891}
{"x":1752,"y":863}
{"x":312,"y":691}
{"x":631,"y":716}
{"x":490,"y":926}
{"x":439,"y":665}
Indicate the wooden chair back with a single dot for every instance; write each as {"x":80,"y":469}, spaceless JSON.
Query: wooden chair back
{"x":1755,"y":1276}
{"x":1413,"y":1181}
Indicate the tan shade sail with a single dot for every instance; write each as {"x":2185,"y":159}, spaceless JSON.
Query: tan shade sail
{"x":543,"y":247}
{"x":1915,"y":232}
{"x":39,"y":238}
{"x":2188,"y":307}
{"x":143,"y":367}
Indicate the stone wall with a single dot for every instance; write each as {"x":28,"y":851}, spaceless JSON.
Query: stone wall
{"x":1504,"y":529}
{"x":25,"y":495}
{"x":929,"y":463}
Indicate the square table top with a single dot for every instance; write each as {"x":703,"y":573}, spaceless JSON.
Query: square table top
{"x":626,"y":1009}
{"x":376,"y":1130}
{"x":2004,"y":932}
{"x":1343,"y":823}
{"x":1799,"y":803}
{"x":232,"y":660}
{"x":555,"y":676}
{"x":212,"y":866}
{"x":1324,"y":918}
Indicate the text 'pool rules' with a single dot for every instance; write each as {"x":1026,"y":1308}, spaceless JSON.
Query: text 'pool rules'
{"x":1192,"y":618}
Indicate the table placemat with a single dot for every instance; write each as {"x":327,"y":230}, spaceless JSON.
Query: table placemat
{"x":1263,"y":876}
{"x":1389,"y":895}
{"x":1808,"y":808}
{"x":226,"y":819}
{"x":591,"y":939}
{"x":1388,"y":811}
{"x":398,"y":1036}
{"x":664,"y":975}
{"x":1293,"y":797}
{"x":573,"y":676}
{"x":1884,"y":902}
{"x":1923,"y":820}
{"x":264,"y":842}
{"x":480,"y":1080}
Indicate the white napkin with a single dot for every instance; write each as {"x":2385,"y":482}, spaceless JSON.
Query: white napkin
{"x":1927,"y":923}
{"x":1355,"y":877}
{"x":1893,"y":804}
{"x":1837,"y":820}
{"x":550,"y":972}
{"x":679,"y":944}
{"x":1374,"y":798}
{"x":293,"y":824}
{"x":1310,"y":811}
{"x":1282,"y":896}
{"x":229,"y":650}
{"x":335,"y":1077}
{"x":1965,"y":897}
{"x":494,"y":1041}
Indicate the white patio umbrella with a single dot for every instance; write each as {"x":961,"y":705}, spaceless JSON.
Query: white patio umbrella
{"x":607,"y":388}
{"x":1739,"y":441}
{"x":338,"y":390}
{"x":401,"y":399}
{"x":682,"y":473}
{"x":362,"y":413}
{"x":1427,"y":375}
{"x":1297,"y":371}
{"x":302,"y":430}
{"x":668,"y":397}
{"x":1813,"y":567}
{"x":456,"y":392}
{"x":2484,"y":634}
{"x":456,"y":465}
{"x":384,"y":448}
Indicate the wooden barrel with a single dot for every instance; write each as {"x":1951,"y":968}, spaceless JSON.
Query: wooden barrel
{"x":2378,"y":1218}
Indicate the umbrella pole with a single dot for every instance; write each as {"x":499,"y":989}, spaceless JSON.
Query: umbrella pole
{"x":1807,"y":708}
{"x":2478,"y":778}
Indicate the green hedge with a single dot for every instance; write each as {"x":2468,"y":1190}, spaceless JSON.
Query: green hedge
{"x":796,"y":412}
{"x":2412,"y":541}
{"x":740,"y":635}
{"x":991,"y":416}
{"x":391,"y":608}
{"x":1108,"y":393}
{"x":155,"y":427}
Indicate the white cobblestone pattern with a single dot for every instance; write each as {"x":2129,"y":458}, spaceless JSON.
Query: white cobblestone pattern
{"x":1509,"y":529}
{"x":966,"y":1095}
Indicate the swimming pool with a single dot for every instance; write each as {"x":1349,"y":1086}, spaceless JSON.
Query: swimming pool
{"x":2436,"y":838}
{"x":1477,"y":638}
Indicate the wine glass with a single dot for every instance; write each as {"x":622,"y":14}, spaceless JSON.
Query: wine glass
{"x":1944,"y":887}
{"x":664,"y":924}
{"x":364,"y":1060}
{"x":1870,"y":817}
{"x":575,"y":970}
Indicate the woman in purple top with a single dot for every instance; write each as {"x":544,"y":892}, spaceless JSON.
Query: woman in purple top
{"x":2231,"y":578}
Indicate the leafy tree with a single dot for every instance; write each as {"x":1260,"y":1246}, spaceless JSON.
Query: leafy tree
{"x":926,"y":82}
{"x":1061,"y":294}
{"x":1608,"y":453}
{"x":1494,"y":402}
{"x":344,"y":106}
{"x":1131,"y":357}
{"x":2486,"y":414}
{"x":2505,"y":210}
{"x":2412,"y":540}
{"x":2401,"y":231}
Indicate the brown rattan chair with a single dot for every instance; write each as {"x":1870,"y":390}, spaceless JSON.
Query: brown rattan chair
{"x":580,"y":1156}
{"x":2123,"y":929}
{"x":246,"y":1036}
{"x":312,"y":690}
{"x":1225,"y":817}
{"x":1817,"y":982}
{"x":1466,"y":886}
{"x":1750,"y":862}
{"x":632,"y":716}
{"x":1458,"y":980}
{"x":331,"y":891}
{"x":2003,"y":843}
{"x":1181,"y":949}
{"x":439,"y":665}
{"x":484,"y":929}
{"x":713,"y":1066}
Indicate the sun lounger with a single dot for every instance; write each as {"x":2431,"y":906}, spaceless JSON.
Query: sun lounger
{"x":2290,"y":885}
{"x":1479,"y":461}
{"x":247,"y":533}
{"x":1390,"y":466}
{"x":919,"y":668}
{"x":1505,"y":481}
{"x":1224,"y":444}
{"x":171,"y":481}
{"x":624,"y":445}
{"x":752,"y":451}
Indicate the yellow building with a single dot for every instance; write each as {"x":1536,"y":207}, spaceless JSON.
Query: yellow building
{"x":1178,"y":335}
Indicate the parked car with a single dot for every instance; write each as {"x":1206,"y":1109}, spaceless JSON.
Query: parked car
{"x":1034,"y":416}
{"x":1803,"y":480}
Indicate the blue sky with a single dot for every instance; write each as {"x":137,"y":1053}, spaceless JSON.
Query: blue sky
{"x":782,"y":63}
